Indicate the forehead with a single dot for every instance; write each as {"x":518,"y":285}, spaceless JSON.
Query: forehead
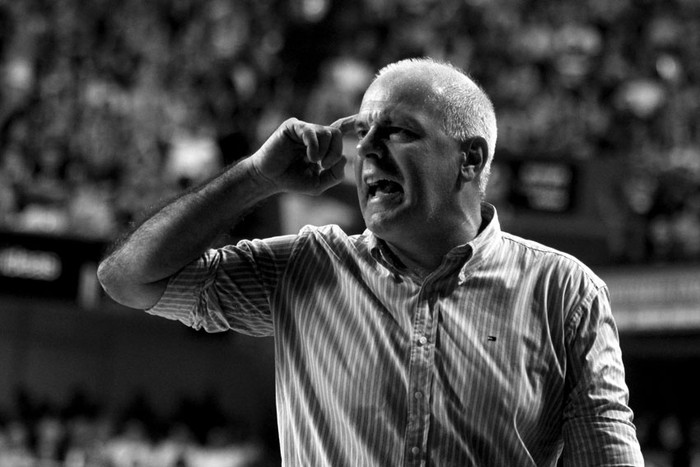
{"x":390,"y":98}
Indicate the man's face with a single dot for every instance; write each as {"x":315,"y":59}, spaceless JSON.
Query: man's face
{"x":408,"y":169}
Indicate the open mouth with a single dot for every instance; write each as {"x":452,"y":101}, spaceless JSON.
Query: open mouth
{"x":384,"y":188}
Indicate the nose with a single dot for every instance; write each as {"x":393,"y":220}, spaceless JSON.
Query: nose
{"x":370,"y":144}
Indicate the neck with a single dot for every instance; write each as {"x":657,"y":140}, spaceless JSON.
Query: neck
{"x":424,"y":255}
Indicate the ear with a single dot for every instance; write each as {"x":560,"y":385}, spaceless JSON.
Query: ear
{"x":474,"y":154}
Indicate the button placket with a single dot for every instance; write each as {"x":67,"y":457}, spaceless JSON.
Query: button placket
{"x":420,"y":382}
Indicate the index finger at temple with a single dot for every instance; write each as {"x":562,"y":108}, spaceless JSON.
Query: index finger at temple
{"x":345,"y":124}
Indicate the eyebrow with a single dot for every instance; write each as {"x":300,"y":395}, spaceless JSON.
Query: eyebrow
{"x":385,"y":119}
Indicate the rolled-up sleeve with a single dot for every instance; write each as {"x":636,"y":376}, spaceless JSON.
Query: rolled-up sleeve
{"x":228,"y":288}
{"x":598,"y":428}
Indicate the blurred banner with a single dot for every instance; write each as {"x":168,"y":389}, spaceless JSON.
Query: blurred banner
{"x":41,"y":266}
{"x":661,"y":298}
{"x":539,"y":185}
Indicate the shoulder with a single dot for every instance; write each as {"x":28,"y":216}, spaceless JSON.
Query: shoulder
{"x":550,"y":261}
{"x":557,"y":281}
{"x":333,"y":239}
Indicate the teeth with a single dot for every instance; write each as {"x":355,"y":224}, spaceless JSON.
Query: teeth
{"x":383,"y":185}
{"x":378,"y":181}
{"x":373,"y":186}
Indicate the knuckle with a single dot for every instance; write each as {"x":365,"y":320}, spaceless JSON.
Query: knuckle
{"x":288,"y":124}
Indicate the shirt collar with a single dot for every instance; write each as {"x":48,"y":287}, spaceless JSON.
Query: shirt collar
{"x":473,"y":252}
{"x":484,"y":244}
{"x":380,"y":251}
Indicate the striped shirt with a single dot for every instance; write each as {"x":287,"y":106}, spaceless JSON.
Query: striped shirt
{"x":506,"y":355}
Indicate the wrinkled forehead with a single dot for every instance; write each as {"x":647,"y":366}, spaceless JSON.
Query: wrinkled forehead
{"x":391,"y":96}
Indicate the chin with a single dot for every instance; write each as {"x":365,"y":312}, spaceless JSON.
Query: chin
{"x":383,"y":226}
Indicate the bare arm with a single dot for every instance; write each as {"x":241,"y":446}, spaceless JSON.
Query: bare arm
{"x":299,"y":157}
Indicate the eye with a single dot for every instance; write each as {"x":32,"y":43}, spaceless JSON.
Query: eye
{"x":387,"y":133}
{"x":401,"y":134}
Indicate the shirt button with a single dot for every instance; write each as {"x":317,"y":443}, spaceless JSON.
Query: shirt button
{"x":418,"y":395}
{"x":423,"y":340}
{"x":415,"y":450}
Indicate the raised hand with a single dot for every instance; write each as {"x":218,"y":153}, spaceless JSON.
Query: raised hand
{"x":303,"y":157}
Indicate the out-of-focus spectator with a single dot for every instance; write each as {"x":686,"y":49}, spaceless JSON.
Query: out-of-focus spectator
{"x":172,"y":450}
{"x":15,"y":450}
{"x":82,"y":435}
{"x":131,"y":446}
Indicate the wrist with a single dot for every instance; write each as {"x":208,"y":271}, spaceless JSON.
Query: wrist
{"x":261,"y":183}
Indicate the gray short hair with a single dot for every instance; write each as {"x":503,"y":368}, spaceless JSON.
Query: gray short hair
{"x":467,"y":110}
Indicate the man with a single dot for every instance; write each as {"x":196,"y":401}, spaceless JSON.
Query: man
{"x":433,"y":338}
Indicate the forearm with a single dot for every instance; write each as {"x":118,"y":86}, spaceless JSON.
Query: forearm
{"x":298,"y":157}
{"x":136,"y":273}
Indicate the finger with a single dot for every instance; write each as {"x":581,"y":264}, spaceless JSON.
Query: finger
{"x":334,"y":150}
{"x":326,"y":144}
{"x":310,"y":140}
{"x":345,"y":124}
{"x":334,"y":174}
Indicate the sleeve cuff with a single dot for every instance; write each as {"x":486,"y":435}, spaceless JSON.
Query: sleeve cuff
{"x":184,"y":290}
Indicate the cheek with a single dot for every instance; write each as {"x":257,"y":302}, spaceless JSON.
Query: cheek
{"x":357,"y":169}
{"x":437,"y":185}
{"x":433,"y":176}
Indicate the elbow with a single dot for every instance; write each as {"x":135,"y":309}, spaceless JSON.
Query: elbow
{"x":116,"y":282}
{"x":103,"y":274}
{"x":108,"y":276}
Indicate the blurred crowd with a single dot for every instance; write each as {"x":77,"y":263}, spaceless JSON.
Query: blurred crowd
{"x":80,"y":433}
{"x":669,"y":440}
{"x":108,"y":107}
